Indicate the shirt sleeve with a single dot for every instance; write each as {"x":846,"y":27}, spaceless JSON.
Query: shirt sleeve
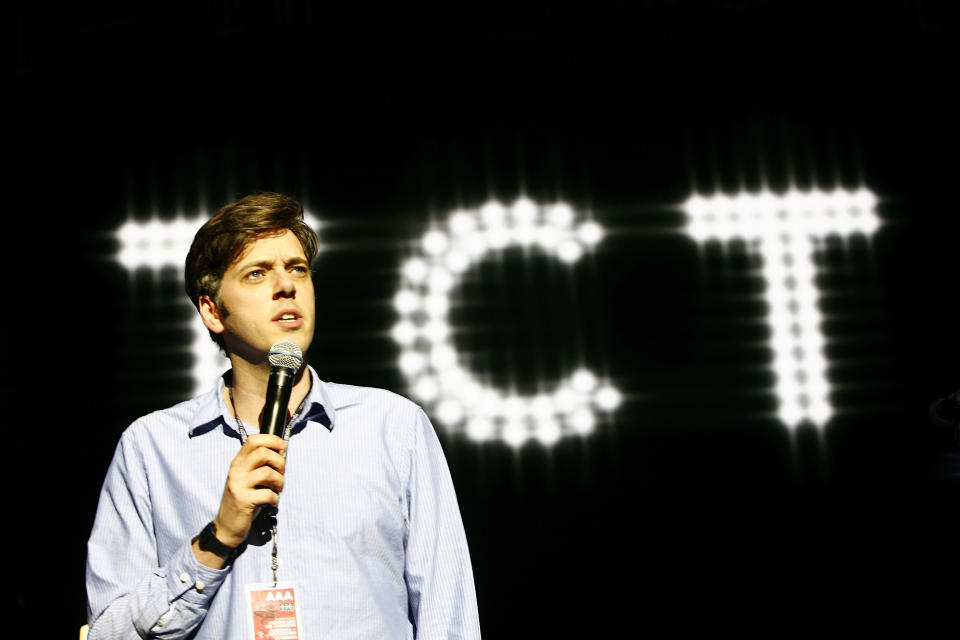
{"x":440,"y":588}
{"x":129,"y":594}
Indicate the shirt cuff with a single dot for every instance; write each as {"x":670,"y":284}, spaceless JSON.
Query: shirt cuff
{"x":192,"y":581}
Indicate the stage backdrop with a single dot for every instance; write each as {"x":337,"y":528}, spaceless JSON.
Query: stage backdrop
{"x":675,"y":285}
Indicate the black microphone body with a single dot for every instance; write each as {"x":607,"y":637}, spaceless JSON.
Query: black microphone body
{"x":273,"y":419}
{"x":286,"y":359}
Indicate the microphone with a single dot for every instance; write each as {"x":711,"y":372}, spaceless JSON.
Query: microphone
{"x":286,"y":358}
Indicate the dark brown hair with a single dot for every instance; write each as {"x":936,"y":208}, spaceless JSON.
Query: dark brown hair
{"x":222,"y":239}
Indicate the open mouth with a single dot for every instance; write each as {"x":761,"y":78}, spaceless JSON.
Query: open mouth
{"x":288,"y":319}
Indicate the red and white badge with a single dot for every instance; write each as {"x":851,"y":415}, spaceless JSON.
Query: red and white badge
{"x":274,"y":611}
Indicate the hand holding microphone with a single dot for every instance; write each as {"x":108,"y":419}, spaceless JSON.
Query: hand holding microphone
{"x":256,"y":475}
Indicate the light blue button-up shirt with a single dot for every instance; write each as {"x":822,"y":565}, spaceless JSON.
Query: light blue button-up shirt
{"x":368,"y":526}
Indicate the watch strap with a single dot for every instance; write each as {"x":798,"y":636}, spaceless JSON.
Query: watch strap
{"x":207,"y":541}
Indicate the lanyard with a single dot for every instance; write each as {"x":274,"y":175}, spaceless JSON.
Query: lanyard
{"x":274,"y":555}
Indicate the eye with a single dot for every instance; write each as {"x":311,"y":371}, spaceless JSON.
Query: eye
{"x":255,"y":275}
{"x":300,"y":269}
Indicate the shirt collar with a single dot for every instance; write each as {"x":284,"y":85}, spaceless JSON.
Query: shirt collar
{"x":213,"y":411}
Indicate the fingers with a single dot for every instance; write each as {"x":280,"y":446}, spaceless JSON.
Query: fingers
{"x":258,"y":464}
{"x":266,"y":477}
{"x":266,"y":441}
{"x":255,"y":479}
{"x":249,"y":460}
{"x":264,"y":497}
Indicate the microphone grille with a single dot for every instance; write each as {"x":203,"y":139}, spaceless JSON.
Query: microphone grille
{"x":286,"y":354}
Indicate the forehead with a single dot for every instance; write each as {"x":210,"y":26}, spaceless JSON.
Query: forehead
{"x":282,"y":246}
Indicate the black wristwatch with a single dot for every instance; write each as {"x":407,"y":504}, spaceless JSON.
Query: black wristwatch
{"x":207,"y":540}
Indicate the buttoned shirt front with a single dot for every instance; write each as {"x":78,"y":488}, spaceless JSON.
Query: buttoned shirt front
{"x":368,"y":525}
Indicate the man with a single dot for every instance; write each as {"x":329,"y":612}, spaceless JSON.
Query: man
{"x":348,"y":527}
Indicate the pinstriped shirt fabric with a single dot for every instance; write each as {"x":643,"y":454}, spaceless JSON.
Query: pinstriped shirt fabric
{"x":368,"y":526}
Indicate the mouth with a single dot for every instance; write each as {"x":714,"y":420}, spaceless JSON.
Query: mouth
{"x":288,"y":319}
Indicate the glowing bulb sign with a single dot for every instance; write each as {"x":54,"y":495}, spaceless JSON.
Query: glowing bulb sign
{"x":784,"y":229}
{"x":428,"y":357}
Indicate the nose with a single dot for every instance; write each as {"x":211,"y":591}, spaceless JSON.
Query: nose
{"x":284,"y":285}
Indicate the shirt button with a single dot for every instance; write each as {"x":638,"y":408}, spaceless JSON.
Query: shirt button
{"x":184,"y":577}
{"x":199,"y":585}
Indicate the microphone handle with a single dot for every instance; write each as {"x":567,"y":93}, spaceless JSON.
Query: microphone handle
{"x":274,"y":417}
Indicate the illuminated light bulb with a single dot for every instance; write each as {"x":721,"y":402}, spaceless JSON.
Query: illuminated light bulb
{"x":462,"y":223}
{"x":547,"y":431}
{"x":480,"y":429}
{"x":790,"y":412}
{"x":698,"y":231}
{"x":440,"y":280}
{"x":404,"y":332}
{"x":524,"y":234}
{"x":696,"y":206}
{"x":569,"y":251}
{"x":819,"y":411}
{"x":435,"y":242}
{"x":412,"y":362}
{"x":542,"y":407}
{"x":583,"y":381}
{"x":453,"y":380}
{"x":523,"y":212}
{"x":582,"y":421}
{"x":436,"y":305}
{"x":590,"y":233}
{"x":443,"y":357}
{"x":436,"y":331}
{"x":515,"y":433}
{"x":406,"y":302}
{"x":474,"y":245}
{"x":426,"y":388}
{"x":457,"y":261}
{"x":415,"y":270}
{"x":865,"y":199}
{"x":560,"y":215}
{"x":607,"y":398}
{"x":493,"y":215}
{"x":514,"y":408}
{"x":868,"y":226}
{"x":489,"y":403}
{"x":498,"y":237}
{"x":450,"y":411}
{"x":565,"y":400}
{"x":721,"y":205}
{"x":469,"y":393}
{"x":549,"y":238}
{"x":816,"y":362}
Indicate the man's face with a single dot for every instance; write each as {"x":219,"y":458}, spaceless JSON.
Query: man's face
{"x":266,"y":296}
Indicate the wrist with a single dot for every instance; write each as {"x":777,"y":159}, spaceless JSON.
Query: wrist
{"x":210,"y":540}
{"x":225,"y":535}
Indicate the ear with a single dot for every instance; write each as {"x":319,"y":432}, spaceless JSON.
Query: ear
{"x":210,"y":314}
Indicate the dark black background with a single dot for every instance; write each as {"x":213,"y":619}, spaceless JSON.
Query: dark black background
{"x":693,"y":510}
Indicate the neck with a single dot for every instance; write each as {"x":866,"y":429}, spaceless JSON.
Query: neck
{"x":250,"y":389}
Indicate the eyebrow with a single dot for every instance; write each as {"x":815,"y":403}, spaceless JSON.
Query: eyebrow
{"x":267,"y":263}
